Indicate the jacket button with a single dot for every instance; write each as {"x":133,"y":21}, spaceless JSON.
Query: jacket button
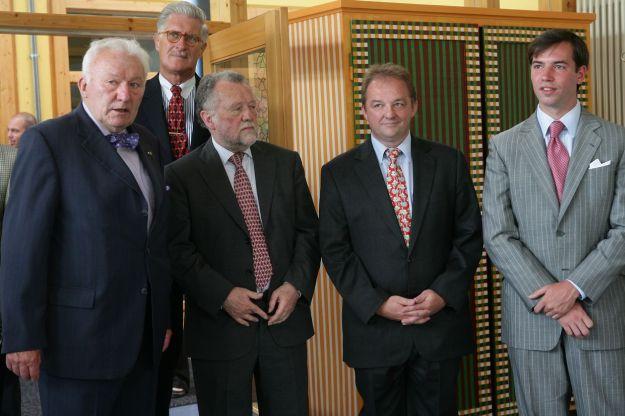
{"x":144,"y":290}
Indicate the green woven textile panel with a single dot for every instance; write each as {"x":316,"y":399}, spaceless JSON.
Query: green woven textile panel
{"x":444,"y":61}
{"x":509,"y":100}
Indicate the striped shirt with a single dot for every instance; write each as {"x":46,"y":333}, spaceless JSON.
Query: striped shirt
{"x":188,"y":95}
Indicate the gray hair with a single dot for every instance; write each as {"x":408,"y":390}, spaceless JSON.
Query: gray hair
{"x":28,"y":119}
{"x":205,"y":97}
{"x":128,"y":46}
{"x":186,"y":9}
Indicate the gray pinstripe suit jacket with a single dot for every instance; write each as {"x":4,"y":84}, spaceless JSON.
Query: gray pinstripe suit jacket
{"x":7,"y":159}
{"x":534,"y":241}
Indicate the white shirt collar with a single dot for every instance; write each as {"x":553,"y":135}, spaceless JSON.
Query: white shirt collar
{"x":225,"y":154}
{"x":570,"y":120}
{"x":380,"y":148}
{"x":186,"y":86}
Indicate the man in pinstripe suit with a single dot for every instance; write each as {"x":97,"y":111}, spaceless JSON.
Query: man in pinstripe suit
{"x":9,"y":382}
{"x":554,"y":225}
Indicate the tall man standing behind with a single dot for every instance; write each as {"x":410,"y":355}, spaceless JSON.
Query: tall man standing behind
{"x":168,"y":111}
{"x":554,"y":225}
{"x":244,"y":247}
{"x":401,"y":238}
{"x":17,"y":126}
{"x":85,"y":271}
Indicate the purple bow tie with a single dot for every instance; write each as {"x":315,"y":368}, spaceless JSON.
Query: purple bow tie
{"x":127,"y":140}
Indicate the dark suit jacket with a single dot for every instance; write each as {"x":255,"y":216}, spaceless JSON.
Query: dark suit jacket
{"x":79,"y":266}
{"x":368,"y":261}
{"x":152,"y":115}
{"x":212,"y":253}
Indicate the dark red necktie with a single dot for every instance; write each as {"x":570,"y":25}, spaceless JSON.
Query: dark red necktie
{"x":176,"y":124}
{"x":245,"y":197}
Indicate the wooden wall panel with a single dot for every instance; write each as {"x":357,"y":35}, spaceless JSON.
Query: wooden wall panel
{"x":320,"y":133}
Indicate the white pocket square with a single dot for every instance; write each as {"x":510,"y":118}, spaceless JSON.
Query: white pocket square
{"x":597,"y":164}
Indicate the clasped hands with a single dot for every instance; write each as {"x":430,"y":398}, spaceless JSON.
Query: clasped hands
{"x":559,"y":301}
{"x":240,"y":306}
{"x":412,"y":311}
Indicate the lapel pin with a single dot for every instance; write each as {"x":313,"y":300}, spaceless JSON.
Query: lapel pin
{"x":149,"y":153}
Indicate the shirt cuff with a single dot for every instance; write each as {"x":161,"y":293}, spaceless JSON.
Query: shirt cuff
{"x":582,"y":295}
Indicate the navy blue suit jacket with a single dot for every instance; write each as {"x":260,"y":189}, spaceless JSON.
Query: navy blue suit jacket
{"x":79,"y":267}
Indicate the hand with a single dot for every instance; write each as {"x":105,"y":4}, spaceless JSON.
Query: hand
{"x":285,"y":297}
{"x":240,"y":307}
{"x":576,"y":322}
{"x":168,"y":334}
{"x":25,"y":364}
{"x":396,"y":308}
{"x":557,"y":299}
{"x":428,"y":303}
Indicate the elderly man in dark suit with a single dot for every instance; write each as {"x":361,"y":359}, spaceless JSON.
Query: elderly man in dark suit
{"x":9,"y":383}
{"x":401,"y":238}
{"x":168,"y":111}
{"x":244,"y":247}
{"x":85,"y":271}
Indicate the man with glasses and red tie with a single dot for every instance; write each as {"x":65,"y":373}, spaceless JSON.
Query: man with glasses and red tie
{"x":168,"y":111}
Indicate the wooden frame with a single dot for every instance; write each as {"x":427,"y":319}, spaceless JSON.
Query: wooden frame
{"x":269,"y":32}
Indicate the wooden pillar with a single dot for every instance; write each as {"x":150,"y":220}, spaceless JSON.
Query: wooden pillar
{"x":557,"y":5}
{"x":494,"y":4}
{"x":233,"y":11}
{"x":8,"y":77}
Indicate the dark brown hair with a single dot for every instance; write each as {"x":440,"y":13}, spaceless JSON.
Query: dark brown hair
{"x":552,"y":37}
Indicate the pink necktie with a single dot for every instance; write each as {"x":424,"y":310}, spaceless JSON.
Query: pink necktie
{"x":263,"y":269}
{"x":558,"y":157}
{"x":398,"y":192}
{"x":176,"y":124}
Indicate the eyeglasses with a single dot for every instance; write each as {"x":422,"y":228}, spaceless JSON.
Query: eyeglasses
{"x":174,"y":36}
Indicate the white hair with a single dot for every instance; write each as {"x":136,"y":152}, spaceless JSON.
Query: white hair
{"x":128,"y":46}
{"x":186,"y":9}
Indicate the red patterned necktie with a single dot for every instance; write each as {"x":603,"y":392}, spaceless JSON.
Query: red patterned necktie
{"x":558,"y":157}
{"x":398,"y":192}
{"x":245,"y":197}
{"x":176,"y":124}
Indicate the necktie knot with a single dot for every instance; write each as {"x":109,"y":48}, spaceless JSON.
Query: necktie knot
{"x":125,"y":140}
{"x":176,"y":90}
{"x":237,"y":159}
{"x":555,"y":129}
{"x":393,"y":153}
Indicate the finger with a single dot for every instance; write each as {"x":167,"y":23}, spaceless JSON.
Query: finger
{"x":258,"y":311}
{"x":242,"y":321}
{"x":272,"y":302}
{"x":567,"y":329}
{"x":254,"y":295}
{"x":575,"y":329}
{"x":23,"y":371}
{"x":406,"y":301}
{"x":539,"y":307}
{"x":587,"y":321}
{"x":538,"y":293}
{"x":279,"y":316}
{"x":34,"y":372}
{"x":248,"y":317}
{"x":583,"y":329}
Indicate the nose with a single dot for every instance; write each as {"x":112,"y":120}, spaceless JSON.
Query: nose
{"x":123,"y":92}
{"x":389,"y":111}
{"x":249,"y":113}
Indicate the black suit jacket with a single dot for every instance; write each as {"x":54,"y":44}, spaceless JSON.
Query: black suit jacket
{"x":152,"y":115}
{"x":79,"y":265}
{"x":368,"y":261}
{"x":212,"y":253}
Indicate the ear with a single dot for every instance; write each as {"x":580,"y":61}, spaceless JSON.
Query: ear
{"x":82,"y":87}
{"x":157,"y":41}
{"x":207,"y":118}
{"x":581,"y":74}
{"x":415,"y":107}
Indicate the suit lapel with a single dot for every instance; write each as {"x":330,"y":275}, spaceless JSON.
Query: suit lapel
{"x":265,"y":170}
{"x":96,"y":145}
{"x":155,"y":112}
{"x":200,"y":134}
{"x":585,"y":146}
{"x":146,"y":154}
{"x":217,"y":181}
{"x":424,"y":170}
{"x":535,"y":151}
{"x":367,"y":168}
